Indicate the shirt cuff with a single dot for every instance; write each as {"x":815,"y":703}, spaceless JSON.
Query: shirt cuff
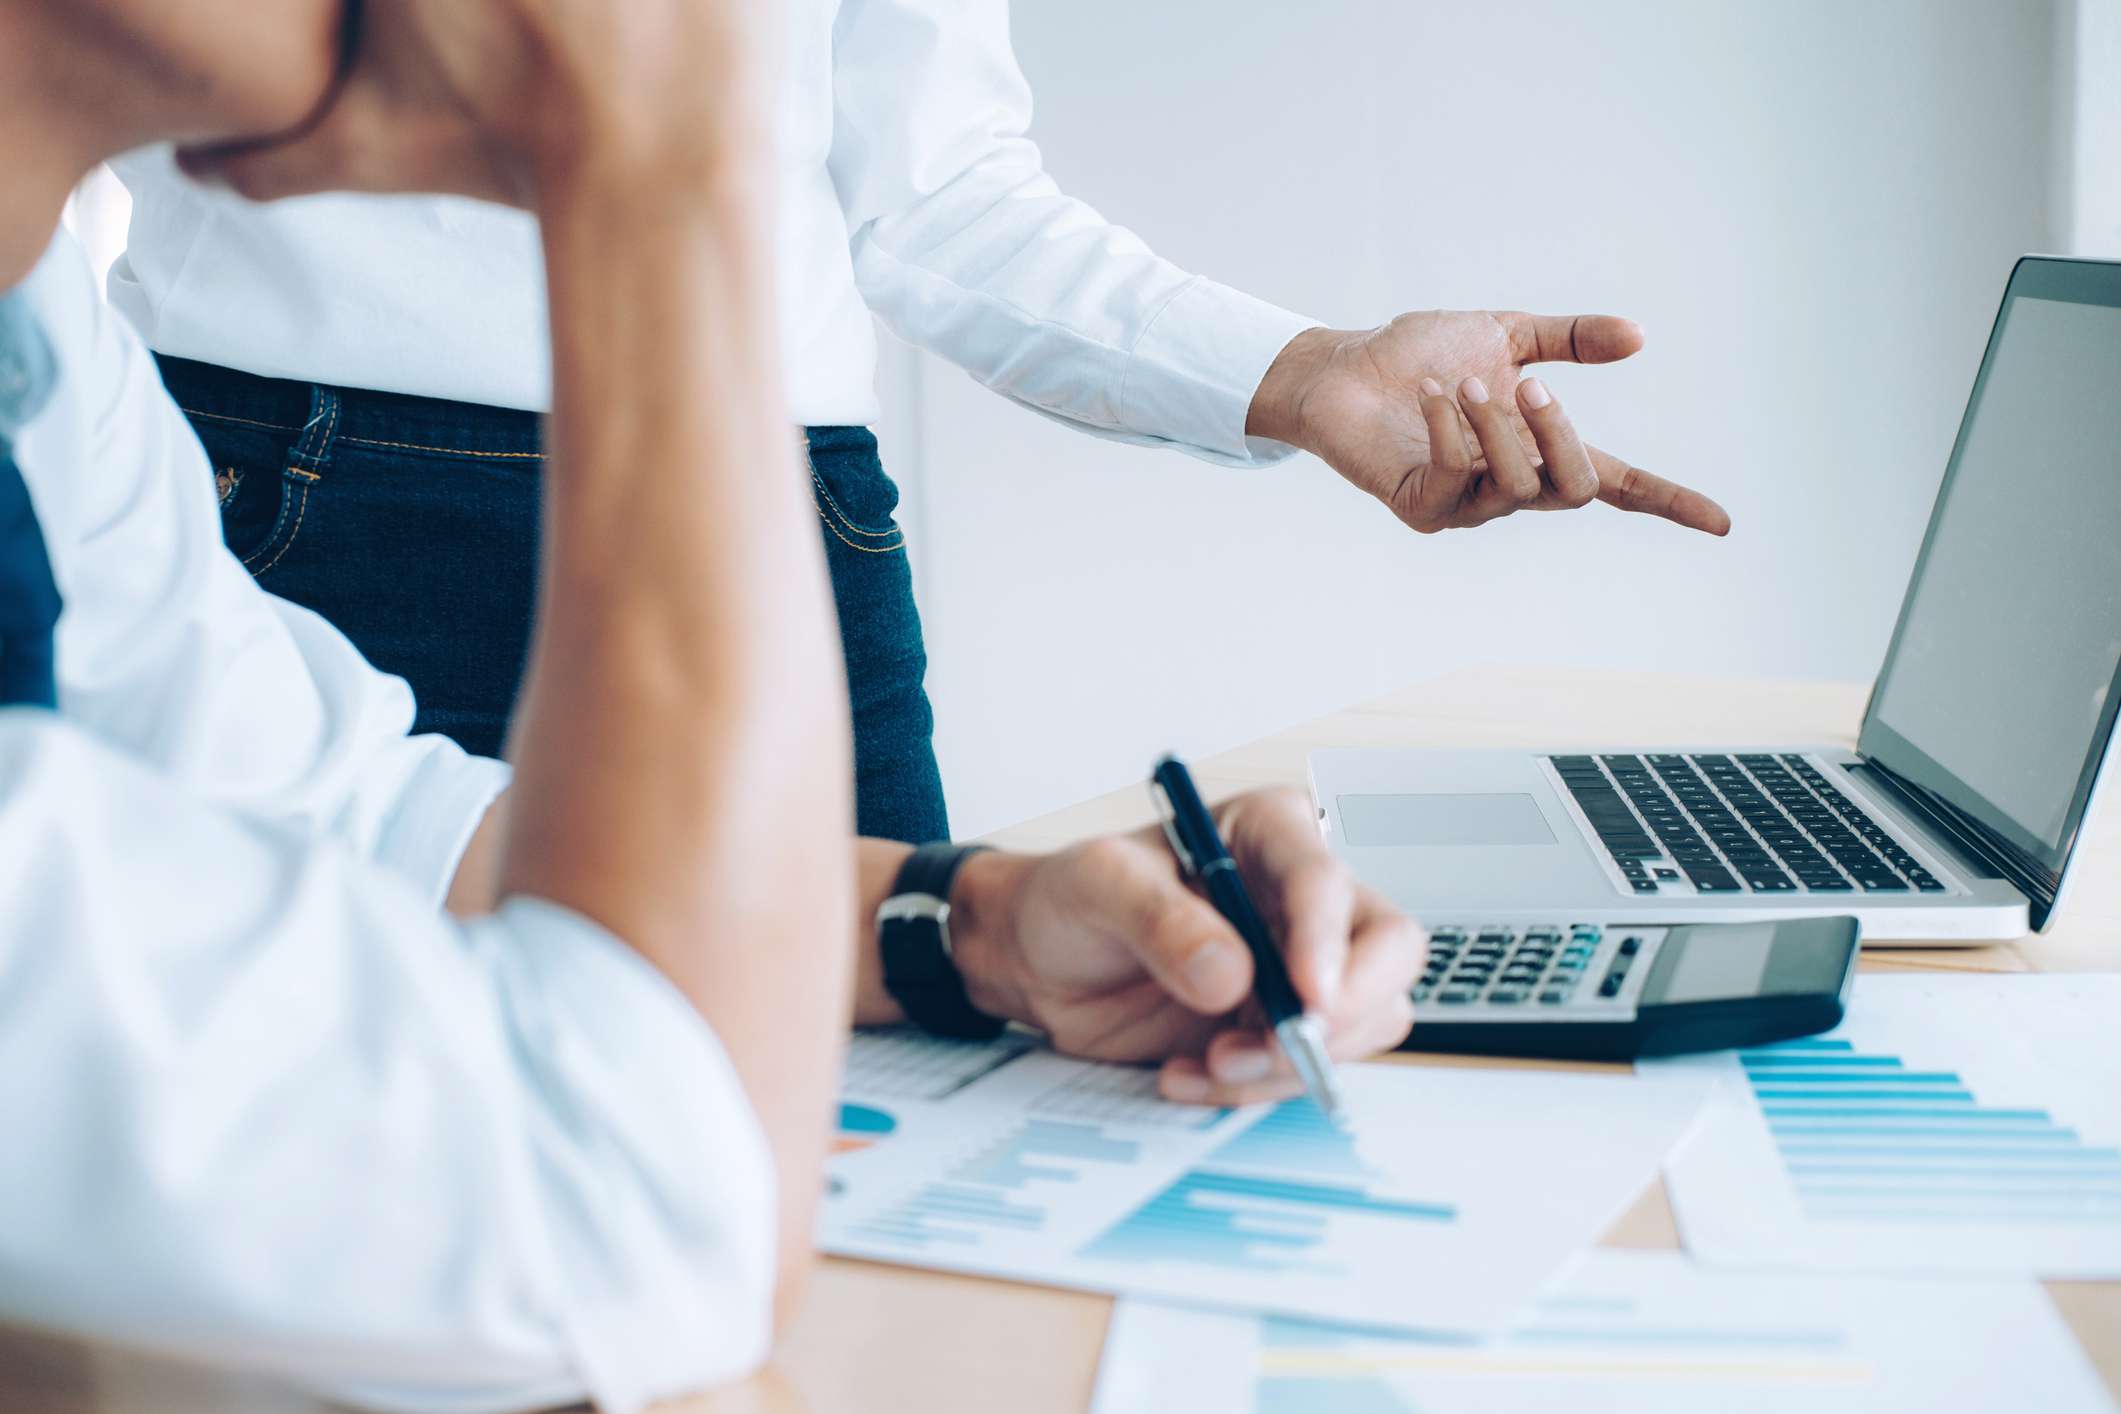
{"x":1192,"y":374}
{"x":438,"y":813}
{"x":657,"y":1178}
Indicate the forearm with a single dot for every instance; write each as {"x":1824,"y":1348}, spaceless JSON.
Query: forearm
{"x":682,"y":748}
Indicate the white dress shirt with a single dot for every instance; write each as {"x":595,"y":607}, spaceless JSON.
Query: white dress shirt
{"x":264,"y":1104}
{"x":907,"y":186}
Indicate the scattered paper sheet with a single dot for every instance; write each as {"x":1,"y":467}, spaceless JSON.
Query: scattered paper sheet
{"x":1956,"y":1123}
{"x":1460,"y":1194}
{"x":1647,"y":1333}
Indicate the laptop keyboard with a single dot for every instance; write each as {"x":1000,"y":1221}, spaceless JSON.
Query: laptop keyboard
{"x":1736,"y":824}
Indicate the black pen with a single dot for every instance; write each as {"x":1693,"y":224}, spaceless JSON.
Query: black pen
{"x":1206,"y":859}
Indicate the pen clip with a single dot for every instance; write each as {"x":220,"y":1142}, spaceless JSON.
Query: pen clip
{"x":1167,"y":816}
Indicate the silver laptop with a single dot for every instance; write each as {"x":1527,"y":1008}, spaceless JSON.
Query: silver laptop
{"x":1981,"y":749}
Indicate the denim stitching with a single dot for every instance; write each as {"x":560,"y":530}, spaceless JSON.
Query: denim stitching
{"x":865,"y":549}
{"x":324,"y":442}
{"x":362,"y":441}
{"x":851,"y":523}
{"x":272,"y":541}
{"x":445,"y":451}
{"x":300,"y":512}
{"x":245,"y":421}
{"x":312,"y":449}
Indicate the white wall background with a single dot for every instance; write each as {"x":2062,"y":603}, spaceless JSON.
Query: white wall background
{"x":1811,"y":205}
{"x":2088,"y":131}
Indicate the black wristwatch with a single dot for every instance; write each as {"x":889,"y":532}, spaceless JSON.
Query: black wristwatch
{"x":913,"y":934}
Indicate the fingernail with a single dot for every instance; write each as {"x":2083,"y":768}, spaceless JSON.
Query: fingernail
{"x":1329,"y":975}
{"x":1535,"y":393}
{"x":1430,"y":388}
{"x":1187,"y":1088}
{"x":1473,"y":390}
{"x":1240,"y":1065}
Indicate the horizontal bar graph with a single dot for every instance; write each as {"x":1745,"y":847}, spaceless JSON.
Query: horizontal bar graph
{"x":1267,"y":1199}
{"x":1869,"y":1138}
{"x":1296,"y":1136}
{"x":1233,"y":1220}
{"x":987,"y":1191}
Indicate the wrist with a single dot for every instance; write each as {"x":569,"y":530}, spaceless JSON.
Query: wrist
{"x":1277,"y":410}
{"x":625,"y":181}
{"x":985,"y":899}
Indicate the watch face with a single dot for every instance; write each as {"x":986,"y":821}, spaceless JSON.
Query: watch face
{"x":913,"y":937}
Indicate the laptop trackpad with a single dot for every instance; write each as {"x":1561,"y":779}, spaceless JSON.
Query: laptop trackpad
{"x":1389,"y":820}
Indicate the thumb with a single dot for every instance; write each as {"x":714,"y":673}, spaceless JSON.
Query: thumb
{"x":1177,"y":936}
{"x":1571,"y":338}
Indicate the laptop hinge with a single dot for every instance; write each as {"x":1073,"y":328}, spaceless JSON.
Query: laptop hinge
{"x":1984,"y":845}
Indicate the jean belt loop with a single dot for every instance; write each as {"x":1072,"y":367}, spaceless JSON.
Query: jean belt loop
{"x":320,"y":433}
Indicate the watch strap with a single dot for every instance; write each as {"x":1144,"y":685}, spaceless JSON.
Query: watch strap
{"x":913,"y":938}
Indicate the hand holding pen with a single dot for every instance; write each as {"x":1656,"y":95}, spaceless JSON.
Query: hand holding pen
{"x":1299,"y":1032}
{"x":1108,"y":948}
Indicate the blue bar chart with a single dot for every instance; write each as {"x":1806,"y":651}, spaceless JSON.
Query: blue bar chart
{"x":1267,"y":1200}
{"x":1952,"y":1124}
{"x":1055,"y":1170}
{"x":1296,"y":1135}
{"x":1867,"y":1136}
{"x":1238,"y":1220}
{"x":995,"y":1188}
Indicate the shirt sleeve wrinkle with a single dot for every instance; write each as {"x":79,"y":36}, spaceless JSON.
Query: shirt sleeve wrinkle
{"x":291,"y":1118}
{"x":964,"y":246}
{"x":171,"y":652}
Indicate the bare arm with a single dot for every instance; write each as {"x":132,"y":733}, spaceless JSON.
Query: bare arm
{"x":682,"y":750}
{"x":682,"y":747}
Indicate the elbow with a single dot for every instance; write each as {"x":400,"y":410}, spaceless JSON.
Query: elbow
{"x":792,"y":1287}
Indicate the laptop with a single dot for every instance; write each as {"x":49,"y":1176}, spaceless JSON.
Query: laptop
{"x":1981,"y":750}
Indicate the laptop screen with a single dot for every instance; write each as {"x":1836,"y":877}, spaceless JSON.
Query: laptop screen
{"x":1998,"y":692}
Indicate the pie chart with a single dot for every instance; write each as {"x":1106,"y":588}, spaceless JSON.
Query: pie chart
{"x":861,"y":1126}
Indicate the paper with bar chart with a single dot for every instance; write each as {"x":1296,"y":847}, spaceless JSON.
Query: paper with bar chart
{"x":1647,"y":1332}
{"x":1463,"y":1191}
{"x":1953,"y":1123}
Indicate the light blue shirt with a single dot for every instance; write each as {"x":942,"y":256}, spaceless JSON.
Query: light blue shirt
{"x":27,"y":371}
{"x":29,"y":600}
{"x":26,"y":367}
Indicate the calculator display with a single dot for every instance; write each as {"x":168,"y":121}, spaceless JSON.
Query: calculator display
{"x":1731,"y":964}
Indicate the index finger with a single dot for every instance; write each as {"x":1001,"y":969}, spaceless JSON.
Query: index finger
{"x":1274,"y":837}
{"x":1630,"y":488}
{"x":1571,"y":338}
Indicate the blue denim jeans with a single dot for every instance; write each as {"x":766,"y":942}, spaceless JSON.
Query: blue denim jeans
{"x":412,"y":525}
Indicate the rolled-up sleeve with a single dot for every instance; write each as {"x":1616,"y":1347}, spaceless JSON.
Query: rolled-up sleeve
{"x":269,"y":1109}
{"x":964,"y":245}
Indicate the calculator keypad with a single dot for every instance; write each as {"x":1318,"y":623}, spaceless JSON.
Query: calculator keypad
{"x":1547,"y":968}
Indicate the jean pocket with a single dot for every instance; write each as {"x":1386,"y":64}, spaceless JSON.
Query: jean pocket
{"x":856,"y":500}
{"x":261,"y":514}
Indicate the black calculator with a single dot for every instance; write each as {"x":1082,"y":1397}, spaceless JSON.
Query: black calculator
{"x":1591,"y":991}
